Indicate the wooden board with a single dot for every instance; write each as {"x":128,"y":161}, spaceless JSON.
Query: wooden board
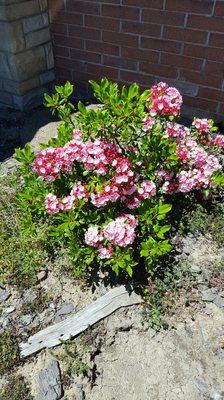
{"x":51,"y":336}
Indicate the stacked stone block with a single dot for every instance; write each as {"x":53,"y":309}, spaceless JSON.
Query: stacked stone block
{"x":26,"y":55}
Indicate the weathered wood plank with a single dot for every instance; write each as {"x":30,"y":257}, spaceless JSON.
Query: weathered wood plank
{"x":51,"y":336}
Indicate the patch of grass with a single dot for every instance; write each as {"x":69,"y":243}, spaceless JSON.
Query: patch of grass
{"x":9,"y":351}
{"x":16,"y":389}
{"x":22,"y":252}
{"x":201,"y":216}
{"x":166,"y":285}
{"x":208,"y":220}
{"x":39,"y":304}
{"x":70,"y":357}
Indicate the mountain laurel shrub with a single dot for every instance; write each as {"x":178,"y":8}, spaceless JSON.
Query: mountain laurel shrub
{"x":107,"y":183}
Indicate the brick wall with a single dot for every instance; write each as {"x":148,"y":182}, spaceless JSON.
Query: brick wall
{"x":177,"y":41}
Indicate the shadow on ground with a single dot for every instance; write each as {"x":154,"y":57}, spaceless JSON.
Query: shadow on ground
{"x":17,"y":128}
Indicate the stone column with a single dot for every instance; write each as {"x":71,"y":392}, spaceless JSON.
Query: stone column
{"x":26,"y":54}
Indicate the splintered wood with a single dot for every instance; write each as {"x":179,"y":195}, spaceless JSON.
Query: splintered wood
{"x":51,"y":336}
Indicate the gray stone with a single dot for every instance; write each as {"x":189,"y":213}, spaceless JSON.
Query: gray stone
{"x":4,"y":295}
{"x":13,"y":36}
{"x":37,"y":37}
{"x":219,"y":301}
{"x":49,"y":55}
{"x":43,"y":5}
{"x":19,"y":10}
{"x":4,"y":66}
{"x":46,"y":77}
{"x":65,"y":309}
{"x":26,"y":319}
{"x":20,"y":64}
{"x":36,"y":22}
{"x":49,"y":382}
{"x":29,"y":295}
{"x":20,"y":88}
{"x":7,"y":311}
{"x":208,"y":295}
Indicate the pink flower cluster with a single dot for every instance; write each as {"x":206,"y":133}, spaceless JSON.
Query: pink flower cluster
{"x":95,"y":156}
{"x":54,"y":205}
{"x":148,"y":123}
{"x":176,"y":131}
{"x":164,"y":100}
{"x":198,"y":167}
{"x":202,"y":125}
{"x":218,"y":141}
{"x":120,"y":232}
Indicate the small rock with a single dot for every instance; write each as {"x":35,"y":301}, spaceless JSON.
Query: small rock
{"x":208,"y":295}
{"x":65,"y":309}
{"x":4,"y":295}
{"x":79,"y":394}
{"x":195,"y":269}
{"x":8,"y":311}
{"x":29,"y":296}
{"x":215,"y":396}
{"x":26,"y":319}
{"x":42,"y":275}
{"x":219,"y":301}
{"x":49,"y":381}
{"x":102,"y":290}
{"x":220,"y":354}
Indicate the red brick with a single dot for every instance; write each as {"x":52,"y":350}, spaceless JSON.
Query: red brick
{"x":120,"y":38}
{"x":71,"y":18}
{"x":207,"y":23}
{"x":163,"y":17}
{"x":61,"y":51}
{"x":217,"y":40}
{"x":119,"y":62}
{"x":200,"y":78}
{"x":219,"y":9}
{"x":211,"y":94}
{"x":56,"y":5}
{"x":200,"y":103}
{"x":84,"y":33}
{"x":120,"y":12}
{"x":76,"y":65}
{"x":59,"y":28}
{"x":142,"y":79}
{"x":212,"y":67}
{"x":100,"y":71}
{"x":67,"y":41}
{"x":86,"y":56}
{"x":144,"y":3}
{"x":85,"y":7}
{"x":158,"y":70}
{"x":108,"y":24}
{"x":137,"y":54}
{"x":64,"y":73}
{"x":81,"y":77}
{"x":161,"y":44}
{"x":181,"y":61}
{"x":184,"y":35}
{"x":141,"y":29}
{"x":209,"y":53}
{"x":103,"y":48}
{"x":191,"y":6}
